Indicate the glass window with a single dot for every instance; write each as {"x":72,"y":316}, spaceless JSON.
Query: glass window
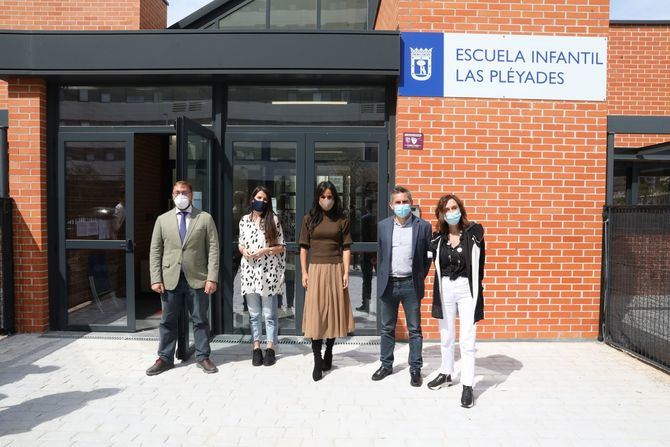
{"x":363,"y":289}
{"x":133,"y":105}
{"x":198,"y":155}
{"x":353,"y":169}
{"x":271,"y":164}
{"x":96,"y":284}
{"x":344,"y":14}
{"x":249,"y":16}
{"x":293,"y":14}
{"x":654,"y":186}
{"x":95,"y":175}
{"x":294,"y":106}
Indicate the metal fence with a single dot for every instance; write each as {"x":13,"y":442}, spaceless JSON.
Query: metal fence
{"x":6,"y":268}
{"x":636,"y":281}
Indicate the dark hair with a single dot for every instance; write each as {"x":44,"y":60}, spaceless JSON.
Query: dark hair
{"x":267,"y":217}
{"x":397,"y":189}
{"x":316,"y":213}
{"x":442,"y":225}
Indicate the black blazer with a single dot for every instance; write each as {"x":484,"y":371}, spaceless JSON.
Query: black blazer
{"x":475,"y":253}
{"x":421,"y":232}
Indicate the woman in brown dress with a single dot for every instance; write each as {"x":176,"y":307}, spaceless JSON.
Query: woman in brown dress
{"x":325,"y":235}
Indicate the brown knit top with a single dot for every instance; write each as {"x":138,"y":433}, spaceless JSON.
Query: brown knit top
{"x":327,"y":240}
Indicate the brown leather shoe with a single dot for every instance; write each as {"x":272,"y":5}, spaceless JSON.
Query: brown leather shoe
{"x":158,"y":367}
{"x":208,"y":367}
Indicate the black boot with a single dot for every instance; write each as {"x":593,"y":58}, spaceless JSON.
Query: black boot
{"x":317,"y":373}
{"x":328,"y":355}
{"x":365,"y":306}
{"x":467,"y":398}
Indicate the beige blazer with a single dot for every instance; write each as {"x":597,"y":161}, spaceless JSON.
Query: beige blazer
{"x":198,"y":256}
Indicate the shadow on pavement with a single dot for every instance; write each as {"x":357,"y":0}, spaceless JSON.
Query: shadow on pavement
{"x":499,"y":367}
{"x":20,"y":364}
{"x":25,"y":416}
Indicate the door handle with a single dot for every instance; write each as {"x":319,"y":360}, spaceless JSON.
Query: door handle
{"x":128,"y":246}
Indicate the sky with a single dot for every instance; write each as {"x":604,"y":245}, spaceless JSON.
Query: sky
{"x":620,"y":9}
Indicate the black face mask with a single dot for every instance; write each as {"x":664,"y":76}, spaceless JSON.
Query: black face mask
{"x":259,"y":205}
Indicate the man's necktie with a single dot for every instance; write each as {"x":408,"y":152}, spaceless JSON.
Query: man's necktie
{"x":182,"y":225}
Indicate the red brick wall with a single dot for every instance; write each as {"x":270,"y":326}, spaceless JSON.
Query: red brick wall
{"x":25,"y":98}
{"x":531,"y":171}
{"x":638,"y":77}
{"x":638,"y":70}
{"x":70,"y":14}
{"x":387,"y":15}
{"x":27,"y":185}
{"x":153,"y":14}
{"x":639,"y":140}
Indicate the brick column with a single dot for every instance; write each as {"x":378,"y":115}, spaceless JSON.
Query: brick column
{"x":27,"y":186}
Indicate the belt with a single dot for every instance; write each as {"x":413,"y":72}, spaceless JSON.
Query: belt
{"x":399,"y":278}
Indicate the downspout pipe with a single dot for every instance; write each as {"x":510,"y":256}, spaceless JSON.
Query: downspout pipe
{"x":4,"y":154}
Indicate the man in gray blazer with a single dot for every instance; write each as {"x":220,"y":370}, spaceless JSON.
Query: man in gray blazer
{"x":184,"y":265}
{"x":402,"y":266}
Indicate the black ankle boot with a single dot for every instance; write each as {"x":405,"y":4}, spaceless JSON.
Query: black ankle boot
{"x":317,"y":373}
{"x":467,"y":398}
{"x":328,"y":355}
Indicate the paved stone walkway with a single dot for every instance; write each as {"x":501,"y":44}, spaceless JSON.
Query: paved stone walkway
{"x":91,"y":390}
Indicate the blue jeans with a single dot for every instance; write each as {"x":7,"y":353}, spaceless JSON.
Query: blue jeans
{"x":172,"y":302}
{"x":401,"y":292}
{"x":269,"y":304}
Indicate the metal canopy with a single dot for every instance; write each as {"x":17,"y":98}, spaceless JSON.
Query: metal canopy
{"x":638,"y":124}
{"x":198,"y":52}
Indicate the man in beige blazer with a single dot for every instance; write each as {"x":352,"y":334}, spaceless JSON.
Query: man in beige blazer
{"x":184,"y":265}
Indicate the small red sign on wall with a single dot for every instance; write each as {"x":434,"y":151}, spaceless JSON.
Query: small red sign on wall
{"x":412,"y":140}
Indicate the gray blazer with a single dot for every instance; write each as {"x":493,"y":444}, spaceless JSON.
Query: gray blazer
{"x":198,"y":256}
{"x":421,"y":232}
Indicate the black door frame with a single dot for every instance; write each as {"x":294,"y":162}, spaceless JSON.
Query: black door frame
{"x":305,"y":183}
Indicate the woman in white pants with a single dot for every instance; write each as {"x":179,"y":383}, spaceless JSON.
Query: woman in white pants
{"x":458,"y":254}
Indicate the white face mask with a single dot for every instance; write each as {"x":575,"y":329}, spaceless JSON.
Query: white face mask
{"x":182,"y":202}
{"x":326,"y":204}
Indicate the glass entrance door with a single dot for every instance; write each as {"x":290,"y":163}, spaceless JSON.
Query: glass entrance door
{"x":96,"y":209}
{"x":276,"y":161}
{"x":290,"y":164}
{"x":195,"y":146}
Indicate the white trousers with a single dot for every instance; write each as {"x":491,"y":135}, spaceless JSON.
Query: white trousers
{"x":456,"y":296}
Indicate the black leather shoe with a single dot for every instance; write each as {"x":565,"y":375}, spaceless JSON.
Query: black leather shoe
{"x":207,"y":366}
{"x":365,"y":307}
{"x":257,"y":357}
{"x":269,"y":358}
{"x":158,"y":367}
{"x":416,"y":379}
{"x":467,"y":399}
{"x":440,"y":381}
{"x":381,"y":373}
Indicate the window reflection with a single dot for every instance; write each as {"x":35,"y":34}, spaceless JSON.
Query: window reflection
{"x":344,"y":14}
{"x":249,"y":16}
{"x":95,"y":190}
{"x":293,"y":14}
{"x":331,"y":106}
{"x":96,"y":284}
{"x":363,"y":289}
{"x":353,"y":169}
{"x":133,"y":105}
{"x":271,"y":164}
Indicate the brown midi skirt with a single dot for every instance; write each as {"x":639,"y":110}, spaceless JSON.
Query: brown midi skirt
{"x":327,"y":311}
